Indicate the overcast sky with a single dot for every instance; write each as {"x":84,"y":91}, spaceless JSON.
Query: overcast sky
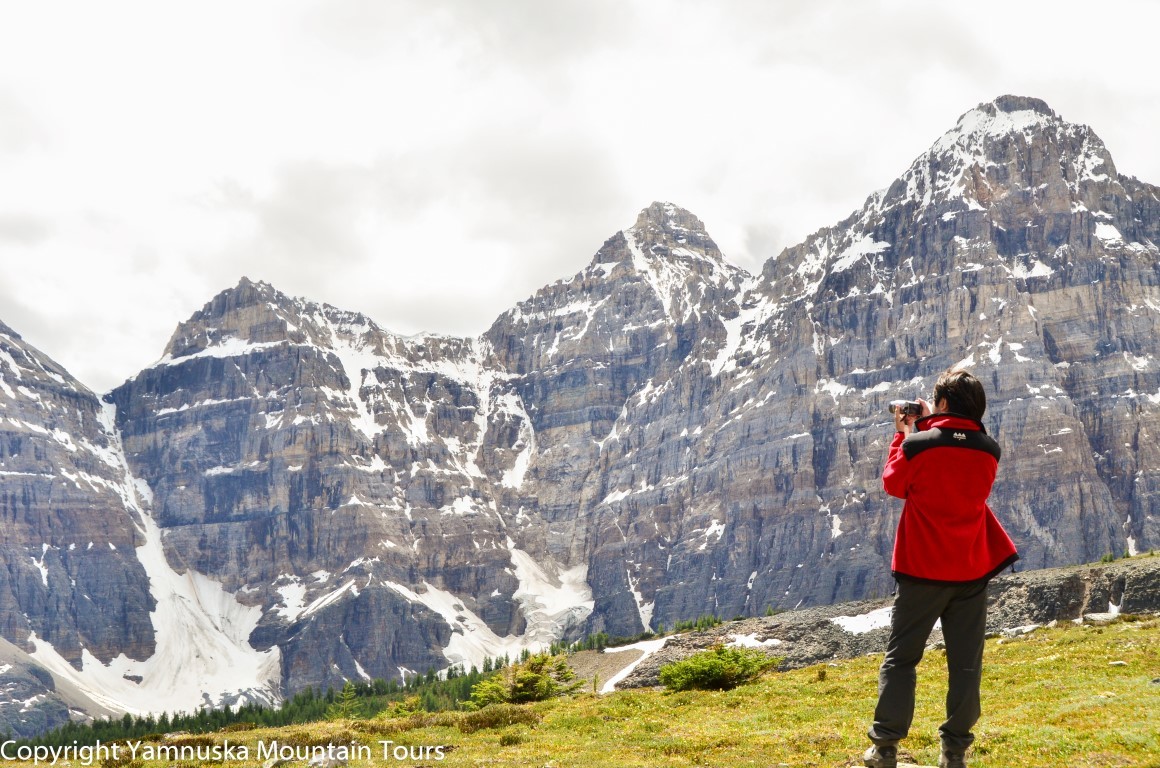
{"x":432,"y":162}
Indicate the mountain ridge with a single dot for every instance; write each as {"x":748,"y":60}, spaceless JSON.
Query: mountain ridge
{"x":659,"y":436}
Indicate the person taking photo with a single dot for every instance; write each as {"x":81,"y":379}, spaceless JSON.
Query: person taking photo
{"x":949,"y":544}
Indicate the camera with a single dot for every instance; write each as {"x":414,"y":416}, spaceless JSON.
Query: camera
{"x":905,"y":407}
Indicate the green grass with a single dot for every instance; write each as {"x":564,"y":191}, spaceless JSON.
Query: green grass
{"x":1050,"y":699}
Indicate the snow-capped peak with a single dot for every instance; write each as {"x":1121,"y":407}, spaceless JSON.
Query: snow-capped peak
{"x":671,"y":220}
{"x":664,"y":231}
{"x":960,"y":165}
{"x":670,"y":248}
{"x":1005,"y":114}
{"x":1005,"y":160}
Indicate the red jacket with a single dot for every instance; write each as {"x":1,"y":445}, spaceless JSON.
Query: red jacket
{"x":947,"y":533}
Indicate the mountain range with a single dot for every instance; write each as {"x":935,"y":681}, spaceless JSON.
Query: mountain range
{"x":293,"y":496}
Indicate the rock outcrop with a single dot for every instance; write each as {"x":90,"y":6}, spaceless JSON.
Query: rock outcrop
{"x":1017,"y":604}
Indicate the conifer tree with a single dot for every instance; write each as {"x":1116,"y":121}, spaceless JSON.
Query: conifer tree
{"x":345,"y":704}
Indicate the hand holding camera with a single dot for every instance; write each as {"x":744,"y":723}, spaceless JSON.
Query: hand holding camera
{"x":906,"y":412}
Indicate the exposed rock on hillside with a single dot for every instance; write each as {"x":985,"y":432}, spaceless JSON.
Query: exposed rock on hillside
{"x":1018,"y":603}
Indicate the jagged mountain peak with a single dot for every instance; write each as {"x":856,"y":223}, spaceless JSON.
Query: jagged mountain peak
{"x":1012,"y":103}
{"x":249,"y":293}
{"x":245,"y":282}
{"x":662,"y":218}
{"x":665,"y":232}
{"x":667,"y":249}
{"x":1013,"y":143}
{"x":245,"y":293}
{"x":1004,"y":115}
{"x":256,"y":313}
{"x":20,"y":360}
{"x":1009,"y":179}
{"x":6,"y":331}
{"x":991,"y":121}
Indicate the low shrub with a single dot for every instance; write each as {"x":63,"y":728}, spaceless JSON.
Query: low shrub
{"x":497,"y":716}
{"x":301,"y":737}
{"x":238,"y":727}
{"x":414,"y":721}
{"x":719,"y":668}
{"x":193,"y":740}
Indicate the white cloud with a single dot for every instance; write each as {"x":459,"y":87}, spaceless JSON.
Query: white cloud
{"x":430,"y":162}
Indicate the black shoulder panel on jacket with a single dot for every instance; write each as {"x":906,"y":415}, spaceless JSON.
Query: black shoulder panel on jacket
{"x":937,"y":437}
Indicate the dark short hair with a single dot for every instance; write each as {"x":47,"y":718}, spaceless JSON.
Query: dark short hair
{"x":963,"y":392}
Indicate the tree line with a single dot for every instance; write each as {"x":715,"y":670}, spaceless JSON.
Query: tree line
{"x":431,"y":692}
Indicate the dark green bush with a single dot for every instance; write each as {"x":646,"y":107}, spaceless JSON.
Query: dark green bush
{"x":540,"y":677}
{"x":718,"y":668}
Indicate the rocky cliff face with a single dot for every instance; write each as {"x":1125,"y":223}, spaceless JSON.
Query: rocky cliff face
{"x":351,"y":484}
{"x":91,"y":614}
{"x":658,"y":437}
{"x":68,"y":536}
{"x":70,"y":583}
{"x":582,"y":353}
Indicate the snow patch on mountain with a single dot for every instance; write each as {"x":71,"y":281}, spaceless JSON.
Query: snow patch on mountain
{"x":1036,"y":269}
{"x":202,"y":657}
{"x":231,"y":346}
{"x":644,"y":608}
{"x":663,"y":279}
{"x":358,"y":361}
{"x":511,"y":405}
{"x":645,"y":647}
{"x":1108,"y":233}
{"x":551,"y":598}
{"x":861,"y":247}
{"x":472,"y":640}
{"x":740,"y":332}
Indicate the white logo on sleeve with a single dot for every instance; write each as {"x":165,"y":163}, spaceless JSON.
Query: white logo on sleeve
{"x":959,"y":436}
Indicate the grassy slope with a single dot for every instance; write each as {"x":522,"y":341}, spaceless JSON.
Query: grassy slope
{"x":1050,"y":699}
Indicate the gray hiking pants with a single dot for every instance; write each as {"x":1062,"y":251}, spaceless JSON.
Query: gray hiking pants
{"x":963,"y":610}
